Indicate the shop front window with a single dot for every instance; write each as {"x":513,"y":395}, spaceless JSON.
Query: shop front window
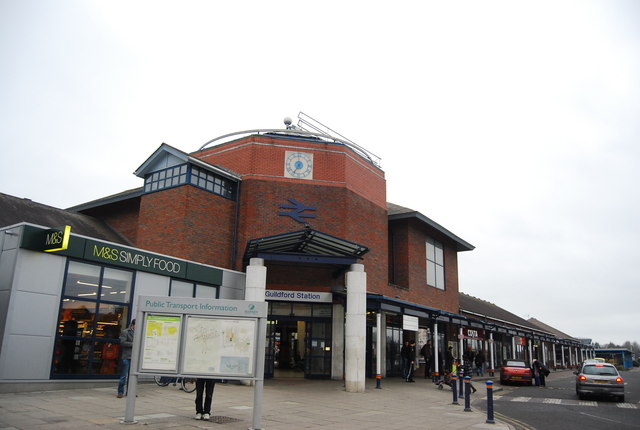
{"x":95,"y":307}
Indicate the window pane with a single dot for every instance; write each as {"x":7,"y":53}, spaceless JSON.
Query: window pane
{"x":82,"y":280}
{"x":116,"y":285}
{"x":77,"y":318}
{"x":206,"y":292}
{"x":302,"y":309}
{"x":322,"y":310}
{"x":181,"y":289}
{"x":439,"y":254}
{"x":431,"y":273}
{"x":109,"y":319}
{"x":279,"y":308}
{"x":431,"y":254}
{"x":440,"y":277}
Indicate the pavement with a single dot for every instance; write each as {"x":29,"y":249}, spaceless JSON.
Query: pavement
{"x":287,"y":404}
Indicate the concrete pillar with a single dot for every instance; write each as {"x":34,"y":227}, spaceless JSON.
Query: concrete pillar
{"x":337,"y":333}
{"x":256,"y":281}
{"x":355,"y":329}
{"x":562,"y":354}
{"x":491,"y":352}
{"x":436,"y":352}
{"x":555,"y":360}
{"x":255,"y":287}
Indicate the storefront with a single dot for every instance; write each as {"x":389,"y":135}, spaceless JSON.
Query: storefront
{"x":80,"y":293}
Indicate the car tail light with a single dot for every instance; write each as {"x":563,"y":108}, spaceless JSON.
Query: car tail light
{"x":583,"y":378}
{"x":619,"y":380}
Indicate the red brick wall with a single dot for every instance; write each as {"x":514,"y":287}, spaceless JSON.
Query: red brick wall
{"x":411,"y":267}
{"x":120,"y":216}
{"x":187,"y":222}
{"x":260,"y":157}
{"x":339,"y":212}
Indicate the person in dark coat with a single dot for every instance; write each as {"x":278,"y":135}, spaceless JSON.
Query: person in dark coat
{"x":126,"y":346}
{"x":427,"y":353}
{"x":408,"y":353}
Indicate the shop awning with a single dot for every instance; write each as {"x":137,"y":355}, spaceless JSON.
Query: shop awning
{"x":308,"y":245}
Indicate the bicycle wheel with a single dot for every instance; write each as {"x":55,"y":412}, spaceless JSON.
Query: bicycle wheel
{"x":162,"y":381}
{"x":188,"y":385}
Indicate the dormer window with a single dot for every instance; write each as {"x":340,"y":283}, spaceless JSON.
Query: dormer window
{"x":189,"y":174}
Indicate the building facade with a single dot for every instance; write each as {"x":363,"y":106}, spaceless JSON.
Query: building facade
{"x":299,"y":219}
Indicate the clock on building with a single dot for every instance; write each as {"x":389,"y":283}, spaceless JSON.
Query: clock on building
{"x":298,"y":165}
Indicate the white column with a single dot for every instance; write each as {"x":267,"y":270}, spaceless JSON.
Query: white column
{"x":461,"y":351}
{"x":337,"y":333}
{"x":379,"y":344}
{"x":530,"y":342}
{"x":491,"y":352}
{"x":255,"y":287}
{"x":355,"y":329}
{"x":436,"y":346}
{"x":562,"y":355}
{"x":513,"y":347}
{"x":256,"y":282}
{"x":544,"y":353}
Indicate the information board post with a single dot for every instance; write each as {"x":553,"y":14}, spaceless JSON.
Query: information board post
{"x":259,"y":386}
{"x":199,"y":338}
{"x":132,"y":383}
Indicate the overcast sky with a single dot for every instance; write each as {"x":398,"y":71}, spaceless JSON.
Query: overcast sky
{"x":516,"y":125}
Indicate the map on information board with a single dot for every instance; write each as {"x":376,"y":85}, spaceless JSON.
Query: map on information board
{"x":161,"y":342}
{"x":219,"y":346}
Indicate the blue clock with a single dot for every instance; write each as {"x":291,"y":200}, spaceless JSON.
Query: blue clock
{"x":298,"y":165}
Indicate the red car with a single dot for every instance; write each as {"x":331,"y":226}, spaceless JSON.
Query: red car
{"x":516,"y":371}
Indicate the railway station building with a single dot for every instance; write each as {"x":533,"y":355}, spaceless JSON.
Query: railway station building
{"x":294,"y":217}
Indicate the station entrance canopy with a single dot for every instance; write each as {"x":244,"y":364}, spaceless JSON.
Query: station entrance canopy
{"x":305,"y":246}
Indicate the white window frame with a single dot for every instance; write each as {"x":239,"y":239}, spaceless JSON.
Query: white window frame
{"x":434,"y":251}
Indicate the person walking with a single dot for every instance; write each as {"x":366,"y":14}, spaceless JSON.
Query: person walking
{"x":204,"y":398}
{"x":427,"y":354}
{"x":126,"y":346}
{"x":408,"y":354}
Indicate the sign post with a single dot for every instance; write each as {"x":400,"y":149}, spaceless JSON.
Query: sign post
{"x":199,"y":338}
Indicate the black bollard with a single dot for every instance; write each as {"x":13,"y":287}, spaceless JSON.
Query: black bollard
{"x":490,"y":419}
{"x":378,"y":381}
{"x":467,"y":394}
{"x":454,"y":385}
{"x":461,"y":379}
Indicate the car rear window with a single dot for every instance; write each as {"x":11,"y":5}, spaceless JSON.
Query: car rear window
{"x":600,"y":370}
{"x":512,"y":363}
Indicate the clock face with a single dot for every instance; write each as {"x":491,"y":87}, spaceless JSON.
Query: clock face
{"x":298,"y":165}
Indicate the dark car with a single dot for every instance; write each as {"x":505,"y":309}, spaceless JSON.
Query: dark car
{"x":599,"y":379}
{"x":516,"y":371}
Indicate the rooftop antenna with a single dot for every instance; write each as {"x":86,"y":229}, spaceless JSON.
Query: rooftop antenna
{"x":306,"y":123}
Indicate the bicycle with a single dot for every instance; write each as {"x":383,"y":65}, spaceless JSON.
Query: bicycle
{"x":188,"y":385}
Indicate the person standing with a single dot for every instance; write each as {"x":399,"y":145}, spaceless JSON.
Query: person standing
{"x":408,"y":353}
{"x":126,"y":346}
{"x":448,"y":360}
{"x":204,"y":391}
{"x":427,"y":354}
{"x":480,"y":363}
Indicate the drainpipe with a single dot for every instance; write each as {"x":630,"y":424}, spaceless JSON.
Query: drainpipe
{"x":234,"y":251}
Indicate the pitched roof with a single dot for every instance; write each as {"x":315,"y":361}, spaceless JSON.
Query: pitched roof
{"x":14,"y":210}
{"x":397,"y":212}
{"x":488,"y":311}
{"x":550,"y":329}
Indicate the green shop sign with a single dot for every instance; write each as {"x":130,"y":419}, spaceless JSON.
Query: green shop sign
{"x":108,"y":253}
{"x":133,"y":259}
